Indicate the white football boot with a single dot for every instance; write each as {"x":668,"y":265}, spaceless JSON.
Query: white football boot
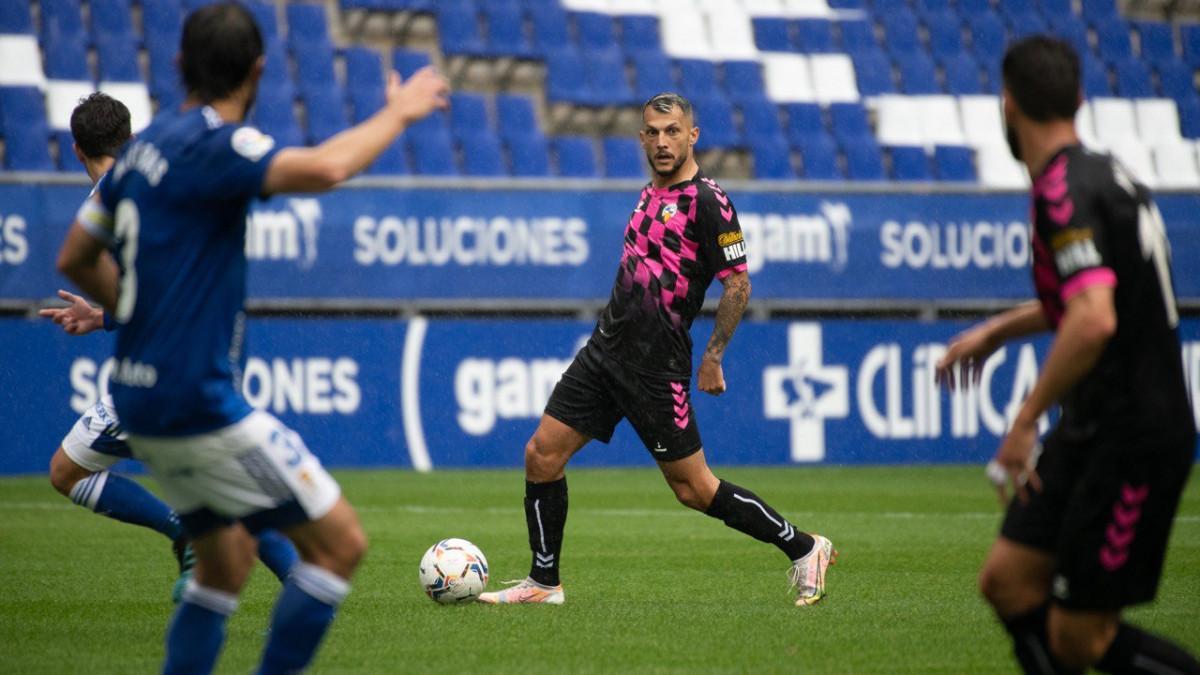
{"x":807,"y":574}
{"x":526,"y":591}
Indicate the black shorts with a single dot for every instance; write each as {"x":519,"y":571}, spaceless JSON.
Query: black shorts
{"x":1105,"y":512}
{"x":596,"y":392}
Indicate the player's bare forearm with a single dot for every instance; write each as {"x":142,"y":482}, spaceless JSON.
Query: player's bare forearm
{"x":1025,"y":319}
{"x":1088,"y":324}
{"x":84,"y":260}
{"x":729,"y":314}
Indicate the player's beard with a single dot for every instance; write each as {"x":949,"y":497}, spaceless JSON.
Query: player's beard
{"x":1014,"y":143}
{"x":675,"y":167}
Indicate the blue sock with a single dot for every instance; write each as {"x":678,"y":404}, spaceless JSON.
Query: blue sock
{"x":122,"y":499}
{"x":197,"y":631}
{"x":277,"y":553}
{"x":303,"y":613}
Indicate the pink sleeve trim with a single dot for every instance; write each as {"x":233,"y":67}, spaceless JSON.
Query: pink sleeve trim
{"x":730,"y":270}
{"x":1099,"y":276}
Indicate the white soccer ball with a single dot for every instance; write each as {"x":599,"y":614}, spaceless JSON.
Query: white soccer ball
{"x":453,"y":571}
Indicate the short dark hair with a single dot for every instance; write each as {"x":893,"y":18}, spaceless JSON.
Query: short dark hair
{"x":100,"y":125}
{"x":667,"y":100}
{"x":218,"y":50}
{"x":1042,"y":75}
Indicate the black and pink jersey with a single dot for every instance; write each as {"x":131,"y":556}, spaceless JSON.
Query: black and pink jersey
{"x":1095,"y":225}
{"x":678,"y":238}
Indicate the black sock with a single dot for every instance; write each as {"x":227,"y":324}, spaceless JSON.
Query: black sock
{"x":1031,"y":644}
{"x":746,"y":512}
{"x":1136,"y":651}
{"x":545,"y":516}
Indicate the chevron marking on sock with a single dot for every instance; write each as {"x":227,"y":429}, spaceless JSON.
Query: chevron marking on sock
{"x":787,"y":532}
{"x":544,"y":561}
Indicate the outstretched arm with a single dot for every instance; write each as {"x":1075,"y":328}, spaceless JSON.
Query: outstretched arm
{"x":968,"y":351}
{"x":77,"y":318}
{"x":729,"y":314}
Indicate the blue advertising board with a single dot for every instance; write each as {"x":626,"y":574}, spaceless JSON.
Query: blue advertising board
{"x":441,"y":243}
{"x":433,"y":394}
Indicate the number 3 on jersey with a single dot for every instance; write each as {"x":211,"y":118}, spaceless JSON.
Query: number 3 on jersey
{"x":126,"y":230}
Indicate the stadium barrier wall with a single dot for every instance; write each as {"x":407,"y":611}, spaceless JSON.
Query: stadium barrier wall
{"x":432,"y":393}
{"x":513,"y":246}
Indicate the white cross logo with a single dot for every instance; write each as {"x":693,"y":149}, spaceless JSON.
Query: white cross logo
{"x":806,"y":392}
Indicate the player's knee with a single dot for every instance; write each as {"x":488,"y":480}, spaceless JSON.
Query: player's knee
{"x":541,"y":462}
{"x":63,"y":474}
{"x":689,"y":495}
{"x":1005,"y":593}
{"x":353,"y":549}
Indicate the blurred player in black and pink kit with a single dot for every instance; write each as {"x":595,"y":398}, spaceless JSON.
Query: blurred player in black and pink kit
{"x":1086,"y":533}
{"x":638,"y":365}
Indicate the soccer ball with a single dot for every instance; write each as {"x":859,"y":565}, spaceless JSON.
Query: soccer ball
{"x":453,"y":571}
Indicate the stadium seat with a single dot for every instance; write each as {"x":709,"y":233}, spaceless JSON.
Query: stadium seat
{"x":391,"y":162}
{"x":595,"y":32}
{"x":899,"y":121}
{"x":482,"y":155}
{"x":903,"y":33}
{"x":364,"y":68}
{"x":1112,"y":40}
{"x":1056,"y":10}
{"x":1026,"y":23}
{"x":1114,"y":119}
{"x":15,"y":18}
{"x":988,"y":37}
{"x":864,"y":161}
{"x":468,"y":115}
{"x":458,"y":35}
{"x":772,"y":161}
{"x":408,"y":61}
{"x":117,"y":59}
{"x":998,"y":169}
{"x":1176,"y":79}
{"x":314,"y":64}
{"x":1095,"y":79}
{"x":506,"y":31}
{"x":639,"y":34}
{"x":910,"y":163}
{"x":623,"y":158}
{"x":1189,"y":116}
{"x":66,"y":59}
{"x":28,"y":150}
{"x":1135,"y":156}
{"x":818,"y":156}
{"x":714,"y":116}
{"x":1157,"y":121}
{"x":60,"y":18}
{"x":1074,"y":31}
{"x":742,"y":81}
{"x":273,"y":113}
{"x":955,"y":163}
{"x":962,"y":75}
{"x":162,"y":17}
{"x":1133,"y":79}
{"x":698,"y":78}
{"x":1189,"y":38}
{"x":731,"y":32}
{"x":266,"y":18}
{"x":858,"y":35}
{"x":67,"y":161}
{"x":432,"y":154}
{"x":606,"y":80}
{"x":833,"y":78}
{"x":529,"y":156}
{"x":849,"y":122}
{"x":763,"y":8}
{"x":787,"y":78}
{"x":773,"y":34}
{"x":873,"y":73}
{"x":760,"y":122}
{"x":940,"y":121}
{"x":515,"y":117}
{"x":918,"y":75}
{"x":1175,"y":164}
{"x":815,"y":36}
{"x":325,"y":110}
{"x":685,"y":35}
{"x":567,"y":78}
{"x":164,"y":79}
{"x":945,"y":34}
{"x":982,"y":123}
{"x":550,"y":28}
{"x":804,"y":121}
{"x":61,"y":98}
{"x":1099,"y":11}
{"x":575,"y":156}
{"x":1156,"y":41}
{"x":111,"y":19}
{"x":20,"y":108}
{"x":306,"y":24}
{"x":364,"y":102}
{"x":1085,"y":126}
{"x":652,"y":74}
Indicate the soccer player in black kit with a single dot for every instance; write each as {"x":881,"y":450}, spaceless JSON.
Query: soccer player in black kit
{"x":1086,"y":533}
{"x":638,"y":364}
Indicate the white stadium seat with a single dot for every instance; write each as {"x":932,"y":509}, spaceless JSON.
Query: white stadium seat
{"x":1176,"y":165}
{"x":833,"y":78}
{"x":20,"y":61}
{"x":731,"y":34}
{"x":940,"y":123}
{"x":136,"y":97}
{"x":899,"y":121}
{"x":982,"y":122}
{"x":764,"y":7}
{"x":684,"y":33}
{"x":61,"y":98}
{"x":808,"y":9}
{"x":1085,"y":127}
{"x":1135,"y":156}
{"x":1157,"y":120}
{"x":1114,"y":119}
{"x":998,"y":169}
{"x":602,"y":6}
{"x":787,"y":78}
{"x":632,"y":7}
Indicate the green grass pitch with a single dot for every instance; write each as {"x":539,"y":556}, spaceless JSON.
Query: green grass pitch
{"x":651,"y":586}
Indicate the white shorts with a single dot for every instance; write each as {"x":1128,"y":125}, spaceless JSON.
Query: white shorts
{"x":257,"y":471}
{"x":96,"y":442}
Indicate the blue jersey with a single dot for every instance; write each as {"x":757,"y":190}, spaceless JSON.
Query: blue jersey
{"x":176,"y":201}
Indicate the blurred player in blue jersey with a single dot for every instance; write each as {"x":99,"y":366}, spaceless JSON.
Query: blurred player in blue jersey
{"x":79,"y":469}
{"x":176,"y":203}
{"x":1086,"y":535}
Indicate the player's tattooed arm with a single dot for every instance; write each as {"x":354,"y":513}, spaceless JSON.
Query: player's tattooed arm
{"x":729,"y":314}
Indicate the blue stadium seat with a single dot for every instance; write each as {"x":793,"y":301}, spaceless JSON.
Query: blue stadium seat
{"x":773,"y":34}
{"x":161,"y":17}
{"x":804,"y":121}
{"x":67,"y":161}
{"x":21,"y":108}
{"x":506,"y":31}
{"x":652,"y":74}
{"x":846,"y":4}
{"x":1072,"y":29}
{"x":111,"y":19}
{"x":325,"y":108}
{"x":1099,"y":11}
{"x":918,"y":74}
{"x":1056,"y":10}
{"x":1175,"y":79}
{"x":273,"y":114}
{"x":364,"y":102}
{"x":28,"y":150}
{"x":516,"y":118}
{"x":718,"y":129}
{"x":264,"y":16}
{"x":595,"y":32}
{"x":432,"y":154}
{"x":955,"y":163}
{"x":818,"y":156}
{"x":190,"y":6}
{"x":468,"y":115}
{"x":118,"y":60}
{"x":1189,"y":38}
{"x":1157,"y":40}
{"x":529,"y":156}
{"x":864,"y":161}
{"x":458,"y":35}
{"x":993,"y":80}
{"x":1011,"y":7}
{"x":567,"y":78}
{"x":945,"y":34}
{"x":639,"y":34}
{"x":607,"y":81}
{"x":275,"y":66}
{"x":306,"y":23}
{"x":974,"y":8}
{"x":1189,"y":116}
{"x":169,"y":98}
{"x":575,"y":156}
{"x":1026,"y":23}
{"x":815,"y":36}
{"x":623,"y":158}
{"x":65,"y":58}
{"x":927,"y":8}
{"x":910,"y":163}
{"x":482,"y":155}
{"x":962,"y":75}
{"x":761,"y":124}
{"x":364,"y":68}
{"x":772,"y":161}
{"x":903,"y":33}
{"x":1095,"y":79}
{"x":988,"y":37}
{"x":858,"y":35}
{"x":391,"y":162}
{"x":436,"y":123}
{"x":314,"y":64}
{"x":15,"y":18}
{"x":60,"y":18}
{"x":698,"y":78}
{"x":849,"y":122}
{"x":550,"y":28}
{"x":743,"y":81}
{"x":873,"y":73}
{"x":1112,"y":40}
{"x":1133,"y":79}
{"x":882,"y":7}
{"x":408,"y":61}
